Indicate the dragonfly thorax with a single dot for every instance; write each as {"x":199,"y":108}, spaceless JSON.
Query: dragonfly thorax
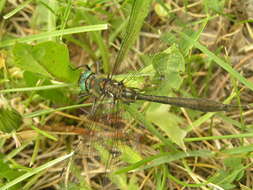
{"x":98,"y":86}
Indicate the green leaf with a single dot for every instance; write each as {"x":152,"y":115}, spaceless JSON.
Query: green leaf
{"x":216,"y":6}
{"x":129,"y":155}
{"x":123,"y":182}
{"x":10,"y":120}
{"x":167,"y":122}
{"x":183,"y":45}
{"x":162,"y":9}
{"x":233,"y":162}
{"x":169,"y":38}
{"x":8,"y":173}
{"x":169,"y":60}
{"x":49,"y":59}
{"x":55,"y":95}
{"x":168,"y":65}
{"x":233,"y":172}
{"x":142,"y":120}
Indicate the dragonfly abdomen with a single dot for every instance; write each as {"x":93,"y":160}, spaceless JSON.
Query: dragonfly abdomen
{"x":204,"y":105}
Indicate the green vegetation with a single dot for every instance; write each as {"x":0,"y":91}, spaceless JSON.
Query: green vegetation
{"x":168,"y":48}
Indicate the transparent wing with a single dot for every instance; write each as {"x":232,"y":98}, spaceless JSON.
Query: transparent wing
{"x":104,"y":137}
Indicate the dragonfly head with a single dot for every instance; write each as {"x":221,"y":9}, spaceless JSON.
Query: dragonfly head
{"x":84,"y":86}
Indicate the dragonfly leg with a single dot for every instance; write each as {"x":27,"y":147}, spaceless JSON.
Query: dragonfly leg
{"x":81,"y":95}
{"x":80,"y":66}
{"x":98,"y":67}
{"x":96,"y":104}
{"x":94,"y":107}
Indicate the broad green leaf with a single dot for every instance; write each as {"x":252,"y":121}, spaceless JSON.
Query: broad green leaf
{"x":168,"y":65}
{"x":123,"y":182}
{"x":129,"y":155}
{"x":216,"y":6}
{"x":141,"y":119}
{"x":55,"y":95}
{"x":170,"y":59}
{"x":233,"y":162}
{"x":8,"y":173}
{"x":49,"y":59}
{"x":10,"y":119}
{"x":169,"y":38}
{"x":184,"y":46}
{"x":167,"y":122}
{"x":163,"y":9}
{"x":104,"y":153}
{"x":225,"y":179}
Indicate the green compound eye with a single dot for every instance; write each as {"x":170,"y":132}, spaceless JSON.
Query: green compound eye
{"x":82,"y":81}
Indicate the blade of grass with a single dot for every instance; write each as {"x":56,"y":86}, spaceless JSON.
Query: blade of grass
{"x":47,"y":111}
{"x":33,"y":180}
{"x":51,"y":16}
{"x":35,"y":150}
{"x":46,"y":87}
{"x":66,"y":15}
{"x":50,"y":34}
{"x":17,"y":9}
{"x":137,"y":164}
{"x":239,"y":150}
{"x":2,"y":4}
{"x":219,"y":61}
{"x":16,"y":151}
{"x":97,"y":37}
{"x":44,"y":133}
{"x":167,"y":157}
{"x":171,"y":156}
{"x":172,"y":178}
{"x":230,"y":121}
{"x":239,"y":136}
{"x":164,"y":158}
{"x":35,"y":171}
{"x":139,"y":11}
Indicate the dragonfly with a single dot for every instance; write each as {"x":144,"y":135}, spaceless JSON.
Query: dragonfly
{"x":99,"y":86}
